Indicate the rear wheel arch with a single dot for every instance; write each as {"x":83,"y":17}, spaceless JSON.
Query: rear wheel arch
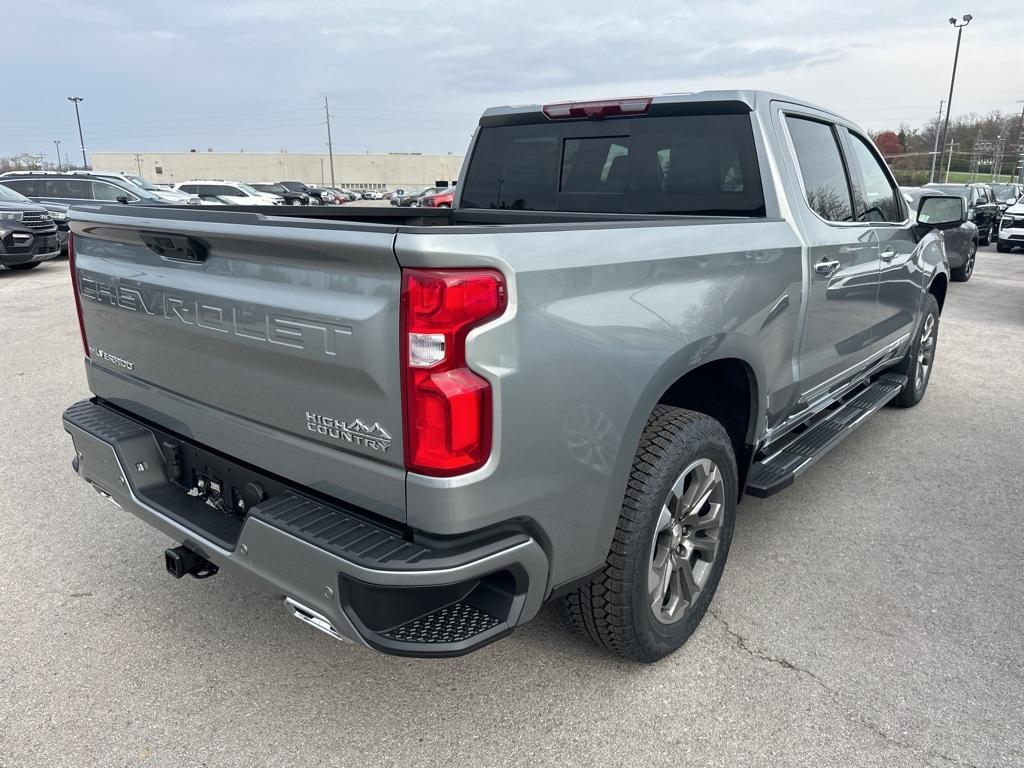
{"x":938,"y":287}
{"x":725,"y":389}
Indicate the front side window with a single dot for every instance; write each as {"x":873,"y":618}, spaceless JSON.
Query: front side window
{"x":108,"y":192}
{"x":821,"y":167}
{"x":876,"y":195}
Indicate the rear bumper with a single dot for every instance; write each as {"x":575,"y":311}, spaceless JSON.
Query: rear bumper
{"x":337,"y":568}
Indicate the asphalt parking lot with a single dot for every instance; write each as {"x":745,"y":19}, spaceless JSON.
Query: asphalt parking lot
{"x":871,"y":615}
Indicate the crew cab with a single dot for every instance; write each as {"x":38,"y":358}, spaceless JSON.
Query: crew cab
{"x":416,"y":426}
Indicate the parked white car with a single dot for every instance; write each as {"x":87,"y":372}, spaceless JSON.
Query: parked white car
{"x":1011,"y":227}
{"x":219,"y":192}
{"x":162,"y":191}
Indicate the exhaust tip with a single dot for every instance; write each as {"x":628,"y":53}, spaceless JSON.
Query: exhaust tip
{"x":313,"y":619}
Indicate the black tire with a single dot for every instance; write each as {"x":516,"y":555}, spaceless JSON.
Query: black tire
{"x":913,"y":392}
{"x":1003,"y":248}
{"x":615,"y":609}
{"x":27,"y":265}
{"x":963,"y":274}
{"x":987,"y":238}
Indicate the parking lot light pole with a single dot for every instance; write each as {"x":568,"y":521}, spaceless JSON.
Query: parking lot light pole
{"x":330,"y":147}
{"x":1020,"y":147}
{"x":56,"y":143}
{"x":935,"y":149}
{"x":952,"y":80}
{"x":78,"y":117}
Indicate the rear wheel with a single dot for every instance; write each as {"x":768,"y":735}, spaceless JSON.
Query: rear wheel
{"x":28,"y":265}
{"x":671,"y":543}
{"x":295,"y":201}
{"x":963,"y":274}
{"x":920,"y":358}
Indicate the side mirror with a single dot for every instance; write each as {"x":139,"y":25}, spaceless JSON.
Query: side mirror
{"x":970,"y":215}
{"x":941,"y":212}
{"x":122,"y":199}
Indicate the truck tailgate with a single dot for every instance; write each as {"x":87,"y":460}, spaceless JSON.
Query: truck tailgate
{"x":272,"y":340}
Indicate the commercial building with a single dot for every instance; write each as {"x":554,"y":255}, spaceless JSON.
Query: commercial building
{"x":354,"y":171}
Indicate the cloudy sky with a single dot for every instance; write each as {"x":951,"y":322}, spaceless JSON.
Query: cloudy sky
{"x":411,"y":75}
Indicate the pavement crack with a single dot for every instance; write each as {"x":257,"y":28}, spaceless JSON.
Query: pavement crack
{"x":850,"y":715}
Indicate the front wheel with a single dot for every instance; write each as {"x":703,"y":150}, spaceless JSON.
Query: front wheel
{"x":963,"y":274}
{"x":920,"y":359}
{"x":1002,"y":248}
{"x":672,"y":540}
{"x":295,"y":202}
{"x":987,"y":237}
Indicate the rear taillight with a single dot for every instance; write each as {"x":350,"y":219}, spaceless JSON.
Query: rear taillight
{"x":597,"y":109}
{"x":74,"y":289}
{"x":447,"y":406}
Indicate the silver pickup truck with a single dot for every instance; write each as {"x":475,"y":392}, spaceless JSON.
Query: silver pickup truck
{"x":417,"y":426}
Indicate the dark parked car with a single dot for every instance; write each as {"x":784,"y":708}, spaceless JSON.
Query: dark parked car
{"x":961,"y":242}
{"x":315,"y":198}
{"x":982,"y":207}
{"x":290,"y":197}
{"x":45,"y":187}
{"x":28,"y":234}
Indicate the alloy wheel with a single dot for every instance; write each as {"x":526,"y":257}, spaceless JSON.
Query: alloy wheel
{"x":686,"y":540}
{"x":925,"y":352}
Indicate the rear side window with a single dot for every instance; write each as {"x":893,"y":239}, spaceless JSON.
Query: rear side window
{"x":74,"y":189}
{"x":692,"y":164}
{"x":27,"y":187}
{"x":821,"y":167}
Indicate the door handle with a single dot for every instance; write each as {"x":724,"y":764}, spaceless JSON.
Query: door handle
{"x":826,"y":267}
{"x":888,"y":254}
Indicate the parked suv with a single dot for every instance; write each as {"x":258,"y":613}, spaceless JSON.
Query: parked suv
{"x":290,"y":197}
{"x":298,"y":186}
{"x":1011,"y":228}
{"x":77,"y":187}
{"x":982,"y":207}
{"x":28,"y":234}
